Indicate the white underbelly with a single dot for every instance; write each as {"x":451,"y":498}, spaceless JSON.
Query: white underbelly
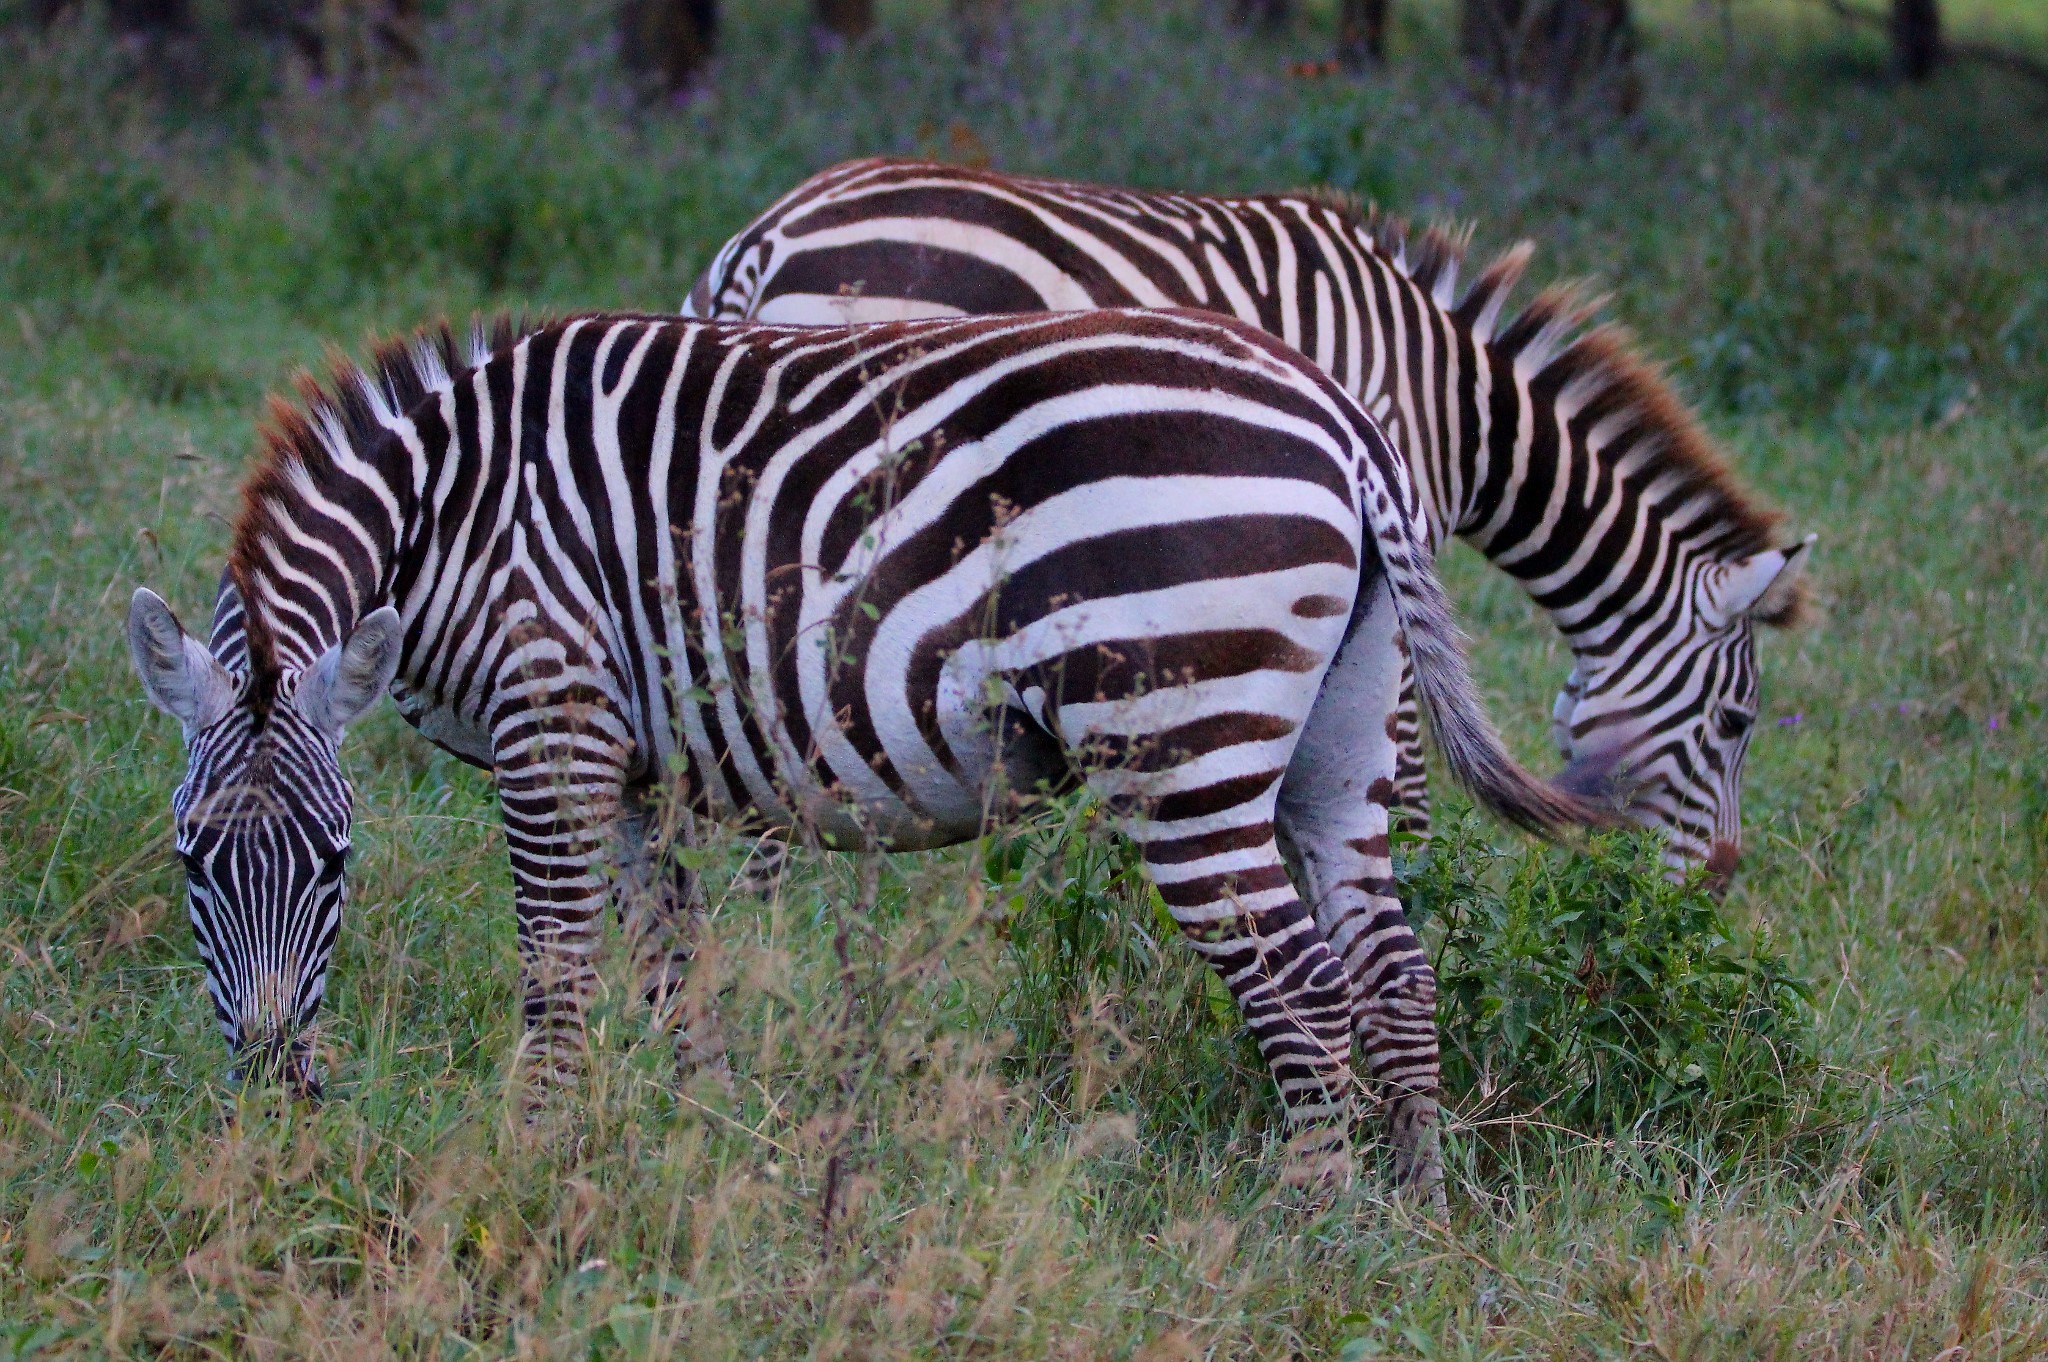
{"x":454,"y":731}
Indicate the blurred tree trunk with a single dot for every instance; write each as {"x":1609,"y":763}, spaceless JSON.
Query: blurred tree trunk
{"x":1362,"y":33}
{"x":1916,"y":37}
{"x":134,"y":18}
{"x":396,"y":29}
{"x":158,"y":35}
{"x":344,"y":39}
{"x":667,"y":42}
{"x":846,"y":19}
{"x":981,"y":24}
{"x":151,"y":16}
{"x":1555,"y":48}
{"x":1262,"y":13}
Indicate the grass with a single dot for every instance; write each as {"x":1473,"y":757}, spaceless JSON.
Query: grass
{"x":1042,"y":1136}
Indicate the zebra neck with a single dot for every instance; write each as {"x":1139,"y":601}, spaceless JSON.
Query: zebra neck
{"x":321,"y":542}
{"x":1559,"y":489}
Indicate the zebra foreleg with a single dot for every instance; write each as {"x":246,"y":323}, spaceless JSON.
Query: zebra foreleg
{"x":760,"y":875}
{"x":560,"y":794}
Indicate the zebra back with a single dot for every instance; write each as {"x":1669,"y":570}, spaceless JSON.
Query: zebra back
{"x":1541,"y":436}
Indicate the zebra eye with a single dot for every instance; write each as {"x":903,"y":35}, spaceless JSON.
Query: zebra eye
{"x":1732,"y":723}
{"x":334,"y":866}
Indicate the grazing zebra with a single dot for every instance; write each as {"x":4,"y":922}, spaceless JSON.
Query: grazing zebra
{"x":1542,"y":440}
{"x":856,"y":581}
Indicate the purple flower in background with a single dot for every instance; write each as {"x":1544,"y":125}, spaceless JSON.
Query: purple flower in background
{"x":1992,"y":723}
{"x":1790,"y":719}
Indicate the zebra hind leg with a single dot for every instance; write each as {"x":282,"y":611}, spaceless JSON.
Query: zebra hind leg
{"x":1229,"y":891}
{"x":1334,"y":808}
{"x":1346,"y":864}
{"x":1192,"y":770}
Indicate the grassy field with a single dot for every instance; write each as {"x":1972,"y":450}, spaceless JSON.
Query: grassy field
{"x":1044,"y":1137}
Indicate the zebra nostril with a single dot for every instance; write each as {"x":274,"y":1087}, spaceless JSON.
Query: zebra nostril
{"x":1721,"y":862}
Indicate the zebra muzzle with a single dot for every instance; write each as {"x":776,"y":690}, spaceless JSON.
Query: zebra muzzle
{"x":279,"y":1060}
{"x":1721,"y":862}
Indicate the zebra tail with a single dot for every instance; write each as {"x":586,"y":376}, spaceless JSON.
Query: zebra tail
{"x":1458,"y":719}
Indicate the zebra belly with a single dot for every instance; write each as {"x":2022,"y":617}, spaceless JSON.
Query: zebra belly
{"x":446,"y":728}
{"x":926,"y":804}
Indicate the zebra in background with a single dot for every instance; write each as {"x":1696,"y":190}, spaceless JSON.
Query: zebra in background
{"x":858,"y":582}
{"x":1541,"y":439}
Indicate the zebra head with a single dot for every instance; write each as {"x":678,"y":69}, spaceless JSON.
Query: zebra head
{"x":262,"y":821}
{"x":1667,"y":731}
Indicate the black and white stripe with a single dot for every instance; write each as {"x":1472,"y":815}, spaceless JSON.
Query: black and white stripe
{"x":857,"y":582}
{"x":1540,"y":439}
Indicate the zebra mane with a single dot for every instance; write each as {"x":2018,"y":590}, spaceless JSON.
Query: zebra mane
{"x":1561,"y":343}
{"x":341,"y":422}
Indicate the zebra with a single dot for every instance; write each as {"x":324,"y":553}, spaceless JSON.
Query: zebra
{"x":852,"y":581}
{"x":1542,"y":439}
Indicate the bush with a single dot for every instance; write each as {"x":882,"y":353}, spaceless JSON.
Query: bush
{"x":1583,"y":989}
{"x":1101,"y":999}
{"x":1589,"y":989}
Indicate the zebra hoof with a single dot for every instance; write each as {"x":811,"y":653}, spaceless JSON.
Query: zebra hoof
{"x":1317,"y":1161}
{"x":694,"y":1062}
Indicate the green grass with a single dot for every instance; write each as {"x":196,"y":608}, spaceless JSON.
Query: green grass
{"x":1048,"y":1139}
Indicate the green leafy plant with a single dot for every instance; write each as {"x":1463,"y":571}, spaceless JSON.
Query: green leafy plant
{"x":1589,"y":988}
{"x":1580,"y":988}
{"x":1098,"y":981}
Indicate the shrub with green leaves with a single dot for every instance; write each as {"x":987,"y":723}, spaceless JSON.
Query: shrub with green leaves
{"x":1590,"y":989}
{"x":1581,"y":988}
{"x":1098,"y":980}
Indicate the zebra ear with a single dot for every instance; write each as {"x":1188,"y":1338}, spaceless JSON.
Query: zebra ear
{"x":1784,"y":601}
{"x":353,"y":675}
{"x":178,"y":674}
{"x":1601,"y":777}
{"x":1767,"y":586}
